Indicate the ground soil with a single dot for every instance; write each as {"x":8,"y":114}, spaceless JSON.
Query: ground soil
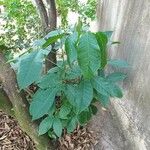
{"x":101,"y":133}
{"x":11,"y":136}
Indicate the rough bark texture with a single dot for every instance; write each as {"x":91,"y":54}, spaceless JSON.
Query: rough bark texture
{"x":52,"y":14}
{"x":52,"y":26}
{"x":9,"y":85}
{"x":43,"y":14}
{"x":5,"y":104}
{"x":130,"y":21}
{"x":48,"y":17}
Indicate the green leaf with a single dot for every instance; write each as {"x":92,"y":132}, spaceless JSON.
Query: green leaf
{"x":41,"y":103}
{"x":53,"y":33}
{"x":88,"y":55}
{"x":72,"y":124}
{"x":70,"y":48}
{"x":93,"y":109}
{"x":52,"y":110}
{"x":52,"y":135}
{"x":101,"y":86}
{"x":73,"y":72}
{"x":108,"y":34}
{"x":50,"y":80}
{"x":84,"y":117}
{"x":2,"y":3}
{"x":64,"y":110}
{"x":57,"y":126}
{"x":117,"y":76}
{"x":54,"y":70}
{"x":104,"y":100}
{"x":118,"y":63}
{"x":70,"y":93}
{"x":115,"y":91}
{"x":101,"y":73}
{"x":106,"y":88}
{"x":38,"y":43}
{"x":79,"y":26}
{"x":80,"y":96}
{"x":84,"y":95}
{"x":102,"y":42}
{"x":30,"y":69}
{"x":45,"y":125}
{"x":52,"y":39}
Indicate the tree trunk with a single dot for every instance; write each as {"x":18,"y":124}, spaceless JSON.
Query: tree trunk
{"x":9,"y":85}
{"x":48,"y":17}
{"x":5,"y":104}
{"x":43,"y":14}
{"x":52,"y":26}
{"x":8,"y":81}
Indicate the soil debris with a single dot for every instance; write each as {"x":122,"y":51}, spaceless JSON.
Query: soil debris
{"x":11,"y":136}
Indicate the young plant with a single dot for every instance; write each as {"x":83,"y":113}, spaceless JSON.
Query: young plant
{"x":66,"y":94}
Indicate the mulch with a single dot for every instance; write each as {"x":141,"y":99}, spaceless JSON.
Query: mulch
{"x":13,"y":138}
{"x":80,"y":139}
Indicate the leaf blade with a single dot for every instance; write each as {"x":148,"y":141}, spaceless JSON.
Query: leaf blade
{"x":57,"y":126}
{"x":70,"y":48}
{"x":118,"y":63}
{"x":42,"y":102}
{"x":72,"y":125}
{"x":30,"y":69}
{"x":64,"y":111}
{"x":52,"y":39}
{"x":49,"y":80}
{"x":45,"y":125}
{"x":101,"y":86}
{"x":84,"y":95}
{"x":104,"y":100}
{"x":102,"y":42}
{"x":116,"y":76}
{"x":88,"y":55}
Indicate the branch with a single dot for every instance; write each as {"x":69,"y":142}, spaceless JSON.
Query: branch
{"x":43,"y":13}
{"x":9,"y":85}
{"x":52,"y":14}
{"x":52,"y":19}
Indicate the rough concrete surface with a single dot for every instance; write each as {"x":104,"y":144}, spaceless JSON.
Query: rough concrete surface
{"x":109,"y":136}
{"x":130,"y":21}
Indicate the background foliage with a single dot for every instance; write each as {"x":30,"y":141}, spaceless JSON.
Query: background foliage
{"x":20,"y":24}
{"x":86,"y":10}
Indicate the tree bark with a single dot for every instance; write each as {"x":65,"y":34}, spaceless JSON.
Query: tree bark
{"x":52,"y":26}
{"x":43,"y":14}
{"x":48,"y":15}
{"x":5,"y":104}
{"x":9,"y":85}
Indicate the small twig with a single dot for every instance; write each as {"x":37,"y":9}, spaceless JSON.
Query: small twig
{"x":53,"y":63}
{"x":50,"y":61}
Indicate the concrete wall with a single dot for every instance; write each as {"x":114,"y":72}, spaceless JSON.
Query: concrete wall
{"x":130,"y":21}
